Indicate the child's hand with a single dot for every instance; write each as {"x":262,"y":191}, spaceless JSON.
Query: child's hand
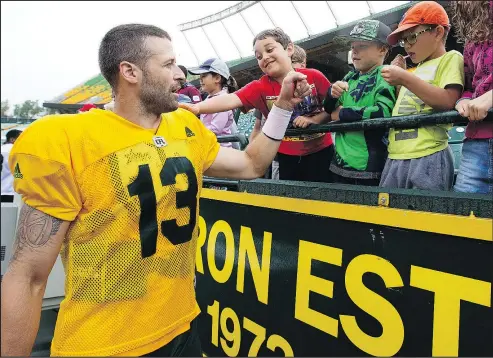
{"x":399,"y":61}
{"x":194,"y":108}
{"x":463,"y":107}
{"x":478,"y":107}
{"x":338,"y":88}
{"x":302,"y":122}
{"x":393,"y":75}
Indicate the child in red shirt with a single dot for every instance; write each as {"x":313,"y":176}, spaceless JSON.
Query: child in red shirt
{"x":305,"y":157}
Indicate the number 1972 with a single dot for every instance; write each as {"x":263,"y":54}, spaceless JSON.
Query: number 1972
{"x":234,"y":337}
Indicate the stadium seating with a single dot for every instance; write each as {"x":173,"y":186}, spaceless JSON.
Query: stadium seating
{"x":246,"y":121}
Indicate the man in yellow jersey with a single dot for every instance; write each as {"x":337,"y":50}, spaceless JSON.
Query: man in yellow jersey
{"x":117,"y":193}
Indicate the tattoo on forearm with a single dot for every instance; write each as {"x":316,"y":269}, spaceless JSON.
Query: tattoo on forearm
{"x":34,"y":229}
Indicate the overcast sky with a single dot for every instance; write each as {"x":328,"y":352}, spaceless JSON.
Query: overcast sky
{"x":49,"y":47}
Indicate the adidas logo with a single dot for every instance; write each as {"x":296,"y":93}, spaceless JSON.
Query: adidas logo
{"x":17,"y":172}
{"x":189,"y":132}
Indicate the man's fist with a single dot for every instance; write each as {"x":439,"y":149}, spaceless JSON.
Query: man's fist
{"x":394,"y":75}
{"x":294,"y":89}
{"x":338,"y":88}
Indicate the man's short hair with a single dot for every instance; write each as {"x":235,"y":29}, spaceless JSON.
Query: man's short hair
{"x":12,"y":134}
{"x":126,"y":43}
{"x":184,"y":70}
{"x":299,"y":55}
{"x":277,"y":34}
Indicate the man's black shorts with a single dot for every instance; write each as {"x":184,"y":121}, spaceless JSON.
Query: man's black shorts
{"x":185,"y":345}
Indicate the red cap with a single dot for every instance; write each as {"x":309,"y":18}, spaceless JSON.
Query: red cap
{"x":87,"y":107}
{"x":423,"y":13}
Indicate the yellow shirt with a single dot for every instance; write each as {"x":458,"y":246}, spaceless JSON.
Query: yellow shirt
{"x":132,"y":197}
{"x":443,"y":71}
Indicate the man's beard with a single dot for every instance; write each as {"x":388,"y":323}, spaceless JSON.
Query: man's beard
{"x":156,"y":97}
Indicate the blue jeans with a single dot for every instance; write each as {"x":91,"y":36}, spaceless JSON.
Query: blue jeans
{"x":476,"y":167}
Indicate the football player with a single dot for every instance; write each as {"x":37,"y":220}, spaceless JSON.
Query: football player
{"x":117,"y":193}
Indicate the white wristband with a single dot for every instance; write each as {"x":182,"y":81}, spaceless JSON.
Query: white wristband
{"x":276,"y":123}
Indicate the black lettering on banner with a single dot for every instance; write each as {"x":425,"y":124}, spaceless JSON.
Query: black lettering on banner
{"x":142,"y":187}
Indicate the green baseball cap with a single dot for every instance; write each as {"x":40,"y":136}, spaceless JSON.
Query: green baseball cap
{"x":366,"y":30}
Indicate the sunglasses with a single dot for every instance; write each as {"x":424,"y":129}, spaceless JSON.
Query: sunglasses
{"x":412,"y":38}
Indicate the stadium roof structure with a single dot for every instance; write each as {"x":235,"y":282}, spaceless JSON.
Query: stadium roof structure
{"x":235,"y":27}
{"x":96,"y":90}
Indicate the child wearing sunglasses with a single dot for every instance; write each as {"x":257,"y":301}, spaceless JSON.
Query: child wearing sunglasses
{"x":421,"y":158}
{"x":472,"y":24}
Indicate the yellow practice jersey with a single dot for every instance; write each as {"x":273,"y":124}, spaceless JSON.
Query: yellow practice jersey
{"x":132,"y":196}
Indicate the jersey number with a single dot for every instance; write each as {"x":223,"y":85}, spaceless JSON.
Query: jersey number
{"x":142,"y":187}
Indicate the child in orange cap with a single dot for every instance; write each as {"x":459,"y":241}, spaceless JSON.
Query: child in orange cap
{"x":421,"y":158}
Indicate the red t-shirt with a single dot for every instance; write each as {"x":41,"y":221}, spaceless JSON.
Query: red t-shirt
{"x":261,"y":94}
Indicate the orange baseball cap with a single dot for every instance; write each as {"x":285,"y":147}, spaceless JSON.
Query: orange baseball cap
{"x":423,"y":13}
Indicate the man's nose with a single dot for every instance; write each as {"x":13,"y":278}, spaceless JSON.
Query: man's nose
{"x":178,"y":74}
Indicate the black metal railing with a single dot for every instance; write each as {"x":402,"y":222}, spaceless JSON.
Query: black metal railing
{"x":239,"y":137}
{"x":220,"y":184}
{"x":402,"y":122}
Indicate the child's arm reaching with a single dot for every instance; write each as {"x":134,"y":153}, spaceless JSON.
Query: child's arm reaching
{"x":436,"y":97}
{"x":214,"y":105}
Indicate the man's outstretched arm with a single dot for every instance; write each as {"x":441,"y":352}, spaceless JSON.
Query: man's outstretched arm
{"x":36,"y":247}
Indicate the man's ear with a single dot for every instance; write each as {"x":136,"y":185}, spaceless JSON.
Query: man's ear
{"x":290,"y":49}
{"x":129,"y":72}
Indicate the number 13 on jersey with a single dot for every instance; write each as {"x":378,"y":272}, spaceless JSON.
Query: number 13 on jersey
{"x":143,"y":188}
